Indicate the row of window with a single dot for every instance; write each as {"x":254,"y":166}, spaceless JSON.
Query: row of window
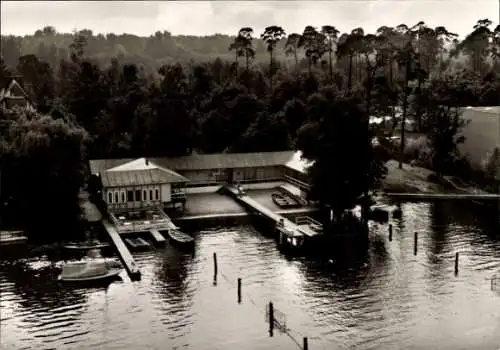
{"x":133,"y":196}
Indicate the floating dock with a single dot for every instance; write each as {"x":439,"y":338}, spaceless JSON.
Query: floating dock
{"x":301,"y":227}
{"x":446,"y":196}
{"x":157,"y":236}
{"x":123,"y":252}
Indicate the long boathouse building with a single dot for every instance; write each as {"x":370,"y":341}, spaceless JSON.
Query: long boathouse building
{"x":191,"y":174}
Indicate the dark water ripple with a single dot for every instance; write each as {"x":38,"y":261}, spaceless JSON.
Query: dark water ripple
{"x":381,"y":297}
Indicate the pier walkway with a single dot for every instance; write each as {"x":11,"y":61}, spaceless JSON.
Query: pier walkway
{"x":301,"y":227}
{"x":157,"y":236}
{"x":124,"y":254}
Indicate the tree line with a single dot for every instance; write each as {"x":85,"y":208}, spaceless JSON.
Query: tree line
{"x":320,"y":102}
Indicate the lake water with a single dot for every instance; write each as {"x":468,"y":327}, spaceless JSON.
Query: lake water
{"x":380,"y":298}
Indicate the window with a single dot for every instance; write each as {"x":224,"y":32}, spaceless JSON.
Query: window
{"x":150,"y":195}
{"x":123,"y":196}
{"x":144,"y":195}
{"x":130,"y":196}
{"x":157,"y":194}
{"x":110,"y":197}
{"x":137,"y":195}
{"x":117,"y":197}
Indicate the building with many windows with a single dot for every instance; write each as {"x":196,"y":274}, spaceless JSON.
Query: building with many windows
{"x":130,"y":184}
{"x":141,"y":184}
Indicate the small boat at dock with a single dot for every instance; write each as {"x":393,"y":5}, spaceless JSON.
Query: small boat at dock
{"x":138,"y":243}
{"x":88,"y":271}
{"x":180,"y":238}
{"x":93,"y":269}
{"x":12,"y":238}
{"x":86,"y":245}
{"x":283,"y":200}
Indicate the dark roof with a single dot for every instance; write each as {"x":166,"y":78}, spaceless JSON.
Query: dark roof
{"x":204,"y":161}
{"x":140,"y":177}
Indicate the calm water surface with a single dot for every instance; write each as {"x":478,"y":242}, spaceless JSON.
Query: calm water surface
{"x":382,"y":297}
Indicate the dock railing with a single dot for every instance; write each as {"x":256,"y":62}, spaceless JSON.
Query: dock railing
{"x":298,"y":183}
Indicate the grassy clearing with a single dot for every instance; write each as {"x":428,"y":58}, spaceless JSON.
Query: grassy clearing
{"x":409,"y":179}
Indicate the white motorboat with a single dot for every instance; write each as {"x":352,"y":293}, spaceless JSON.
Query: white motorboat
{"x":12,"y":237}
{"x":92,"y":269}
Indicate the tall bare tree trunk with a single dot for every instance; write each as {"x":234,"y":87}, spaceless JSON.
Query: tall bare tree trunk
{"x":403,"y":119}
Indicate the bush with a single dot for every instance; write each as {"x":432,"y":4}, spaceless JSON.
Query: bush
{"x":416,"y":151}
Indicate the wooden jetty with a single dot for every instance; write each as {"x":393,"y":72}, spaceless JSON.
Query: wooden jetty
{"x":157,"y":236}
{"x":123,"y":252}
{"x":446,"y":196}
{"x":302,"y":227}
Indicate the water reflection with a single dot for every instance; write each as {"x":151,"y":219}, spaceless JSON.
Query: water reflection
{"x":173,"y":271}
{"x":46,"y":309}
{"x":363,"y":295}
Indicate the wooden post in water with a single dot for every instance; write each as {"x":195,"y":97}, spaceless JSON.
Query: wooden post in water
{"x":271,"y":318}
{"x":305,"y":344}
{"x":456,"y":264}
{"x":415,"y":246}
{"x":390,"y":232}
{"x":215,"y":269}
{"x":239,"y":290}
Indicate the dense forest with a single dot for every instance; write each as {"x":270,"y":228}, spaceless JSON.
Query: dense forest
{"x":109,"y":96}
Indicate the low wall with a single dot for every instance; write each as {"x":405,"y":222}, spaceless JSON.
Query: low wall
{"x":198,"y":222}
{"x":250,"y":186}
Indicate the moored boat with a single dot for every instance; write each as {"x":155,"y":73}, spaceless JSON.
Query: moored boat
{"x":88,"y":271}
{"x":93,"y":269}
{"x":12,"y":237}
{"x":86,"y":245}
{"x":279,"y":200}
{"x":138,"y":243}
{"x":180,"y":238}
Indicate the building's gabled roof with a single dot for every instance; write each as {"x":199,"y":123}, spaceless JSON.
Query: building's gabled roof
{"x":14,"y":93}
{"x":139,"y":172}
{"x":14,"y":90}
{"x":137,"y":164}
{"x":139,"y":178}
{"x":203,"y":161}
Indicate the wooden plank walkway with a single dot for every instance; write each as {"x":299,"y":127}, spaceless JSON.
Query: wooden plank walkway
{"x":269,"y":213}
{"x":124,"y":254}
{"x":243,"y":214}
{"x":444,"y":196}
{"x":157,"y":236}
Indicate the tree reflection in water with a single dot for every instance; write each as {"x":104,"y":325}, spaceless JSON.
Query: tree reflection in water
{"x":173,"y":272}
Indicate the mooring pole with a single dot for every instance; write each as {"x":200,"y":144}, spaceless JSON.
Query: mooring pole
{"x":456,"y":264}
{"x":390,"y":232}
{"x":215,"y":268}
{"x":271,"y":318}
{"x":305,"y":344}
{"x":239,"y":290}
{"x":415,"y":245}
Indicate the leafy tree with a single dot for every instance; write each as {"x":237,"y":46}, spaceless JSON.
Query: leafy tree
{"x":272,"y":35}
{"x":491,"y":166}
{"x":292,"y":46}
{"x":45,"y":168}
{"x":313,"y":42}
{"x":337,"y":139}
{"x":331,"y":34}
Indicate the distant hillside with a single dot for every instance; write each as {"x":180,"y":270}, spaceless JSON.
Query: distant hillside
{"x":154,"y":50}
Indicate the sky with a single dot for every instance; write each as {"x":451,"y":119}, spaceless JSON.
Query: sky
{"x":227,"y":17}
